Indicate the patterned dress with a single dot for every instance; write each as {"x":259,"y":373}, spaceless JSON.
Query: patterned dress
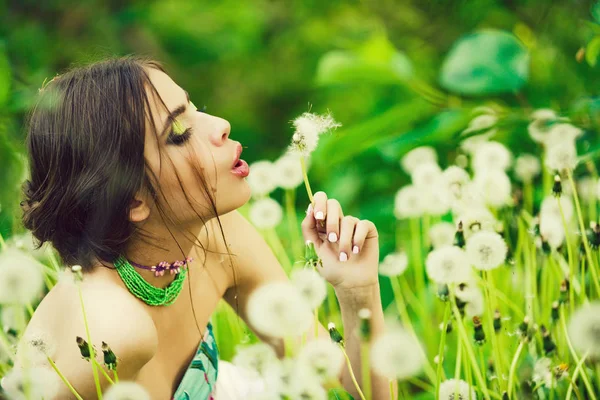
{"x":200,"y":379}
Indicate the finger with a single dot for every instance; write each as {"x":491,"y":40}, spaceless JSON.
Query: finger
{"x":364,"y":230}
{"x":334,"y":215}
{"x":320,"y":205}
{"x":309,"y":227}
{"x":347,"y":228}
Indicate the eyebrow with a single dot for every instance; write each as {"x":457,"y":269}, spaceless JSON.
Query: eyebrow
{"x":174,"y":114}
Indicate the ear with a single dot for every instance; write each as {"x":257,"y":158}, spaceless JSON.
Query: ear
{"x":139,"y":210}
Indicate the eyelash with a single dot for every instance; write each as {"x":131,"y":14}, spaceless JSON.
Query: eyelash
{"x":179,"y":140}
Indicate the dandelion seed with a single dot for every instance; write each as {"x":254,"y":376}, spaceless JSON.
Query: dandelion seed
{"x":542,"y":373}
{"x":584,"y":329}
{"x":322,"y":358}
{"x":450,"y":387}
{"x":277,"y":309}
{"x":43,"y":383}
{"x":265,"y":213}
{"x":262,"y":178}
{"x":486,"y":250}
{"x":393,"y":264}
{"x":417,"y":156}
{"x":126,"y":391}
{"x":35,"y":347}
{"x":308,"y":128}
{"x":442,"y":234}
{"x":561,"y":156}
{"x":21,"y":277}
{"x":491,"y":156}
{"x":256,"y":358}
{"x":527,"y":167}
{"x":311,"y":286}
{"x":408,"y":203}
{"x":397,"y":354}
{"x":448,"y":264}
{"x":288,"y":171}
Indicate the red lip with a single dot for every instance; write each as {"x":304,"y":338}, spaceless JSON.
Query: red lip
{"x":238,"y":153}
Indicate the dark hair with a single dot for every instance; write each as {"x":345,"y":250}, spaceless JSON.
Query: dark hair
{"x":85,"y":142}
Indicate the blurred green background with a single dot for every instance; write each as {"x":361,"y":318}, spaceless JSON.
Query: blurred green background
{"x":396,"y":74}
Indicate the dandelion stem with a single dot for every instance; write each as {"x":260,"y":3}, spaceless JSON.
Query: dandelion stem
{"x":360,"y":393}
{"x":2,"y":243}
{"x":499,"y":368}
{"x":116,"y":375}
{"x":578,"y":368}
{"x":441,"y":350}
{"x":290,"y":209}
{"x":316,"y":313}
{"x":365,"y":369}
{"x":513,"y":367}
{"x":104,"y":372}
{"x":89,"y":343}
{"x":306,"y":182}
{"x":459,"y":347}
{"x":570,"y":255}
{"x":64,"y":379}
{"x":392,"y":397}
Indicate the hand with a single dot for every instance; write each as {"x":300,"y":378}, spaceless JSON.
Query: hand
{"x":335,"y":237}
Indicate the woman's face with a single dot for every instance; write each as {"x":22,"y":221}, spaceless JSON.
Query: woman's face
{"x":207,"y":148}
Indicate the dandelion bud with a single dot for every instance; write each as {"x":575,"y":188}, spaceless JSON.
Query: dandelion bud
{"x":443,"y":293}
{"x":557,"y":187}
{"x":334,"y":334}
{"x":479,"y":334}
{"x":505,"y":396}
{"x":310,"y":255}
{"x":546,"y":249}
{"x":564,"y":292}
{"x":110,"y":360}
{"x":593,"y":235}
{"x":83,"y":348}
{"x":76,"y":269}
{"x":548,"y":344}
{"x":555,"y":314}
{"x":448,"y":326}
{"x":459,"y":236}
{"x":497,"y":321}
{"x":365,"y":324}
{"x":524,"y":329}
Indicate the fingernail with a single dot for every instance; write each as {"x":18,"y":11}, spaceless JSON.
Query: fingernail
{"x":355,"y":249}
{"x":332,"y":237}
{"x":309,"y":209}
{"x":343,"y":257}
{"x":320,"y":215}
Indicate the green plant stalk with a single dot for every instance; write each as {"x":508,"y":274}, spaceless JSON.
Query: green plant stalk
{"x":570,"y":256}
{"x":290,"y":209}
{"x":392,"y":397}
{"x":5,"y":344}
{"x":116,"y":375}
{"x":498,"y":367}
{"x":2,"y":243}
{"x":513,"y":367}
{"x":468,"y":374}
{"x":457,"y":367}
{"x":64,"y":379}
{"x":528,"y":196}
{"x":365,"y":369}
{"x":578,"y":368}
{"x":416,"y":255}
{"x":421,"y":384}
{"x":588,"y":251}
{"x":441,"y":350}
{"x":306,"y":182}
{"x":90,"y":348}
{"x":582,"y":294}
{"x":464,"y":337}
{"x":316,"y":314}
{"x":584,"y":376}
{"x":502,"y":297}
{"x":108,"y":378}
{"x":279,"y":249}
{"x":349,"y":364}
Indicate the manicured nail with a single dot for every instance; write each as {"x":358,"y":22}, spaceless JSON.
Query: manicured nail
{"x":309,"y":209}
{"x":332,"y":237}
{"x":355,"y":249}
{"x":343,"y":257}
{"x":320,"y":215}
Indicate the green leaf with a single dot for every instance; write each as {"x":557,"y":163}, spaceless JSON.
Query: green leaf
{"x":486,"y":62}
{"x":376,"y":61}
{"x":338,"y":394}
{"x":595,"y":11}
{"x":592,"y":51}
{"x":5,"y":76}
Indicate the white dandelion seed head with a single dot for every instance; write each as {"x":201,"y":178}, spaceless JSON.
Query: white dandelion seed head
{"x":417,"y":156}
{"x":471,"y":294}
{"x":484,"y":124}
{"x":486,"y":250}
{"x":542,"y":373}
{"x":280,"y":378}
{"x":481,"y":122}
{"x":323,"y":358}
{"x":586,"y":188}
{"x":584,"y":329}
{"x":527,"y":167}
{"x":126,"y":391}
{"x":278,"y":310}
{"x":256,"y":358}
{"x":11,"y":317}
{"x":455,"y":181}
{"x":407,"y":202}
{"x":550,"y":207}
{"x":448,"y":264}
{"x":310,"y":284}
{"x":560,"y":133}
{"x":307,"y":390}
{"x":262,"y":178}
{"x":470,"y":198}
{"x":475,"y":220}
{"x":492,"y":156}
{"x":434,"y":202}
{"x":450,"y":387}
{"x":494,"y":187}
{"x":442,"y":234}
{"x":393,"y":264}
{"x":265,"y":213}
{"x":397,"y":354}
{"x":308,"y":128}
{"x":21,"y":277}
{"x":288,"y":171}
{"x":43,"y":383}
{"x":542,"y":122}
{"x":426,"y":174}
{"x":35,"y":347}
{"x":561,"y":156}
{"x":552,"y":230}
{"x":27,"y":243}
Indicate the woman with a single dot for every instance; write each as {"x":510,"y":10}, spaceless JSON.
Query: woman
{"x":126,"y":173}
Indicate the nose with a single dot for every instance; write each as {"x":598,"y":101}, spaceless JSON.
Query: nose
{"x":221,"y":132}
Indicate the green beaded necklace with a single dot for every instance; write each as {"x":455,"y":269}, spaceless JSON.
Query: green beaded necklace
{"x":144,"y":291}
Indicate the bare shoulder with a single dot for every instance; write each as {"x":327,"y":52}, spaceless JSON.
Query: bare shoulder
{"x":113,"y":317}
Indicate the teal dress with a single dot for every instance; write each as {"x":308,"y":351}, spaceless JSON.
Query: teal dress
{"x":200,"y":379}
